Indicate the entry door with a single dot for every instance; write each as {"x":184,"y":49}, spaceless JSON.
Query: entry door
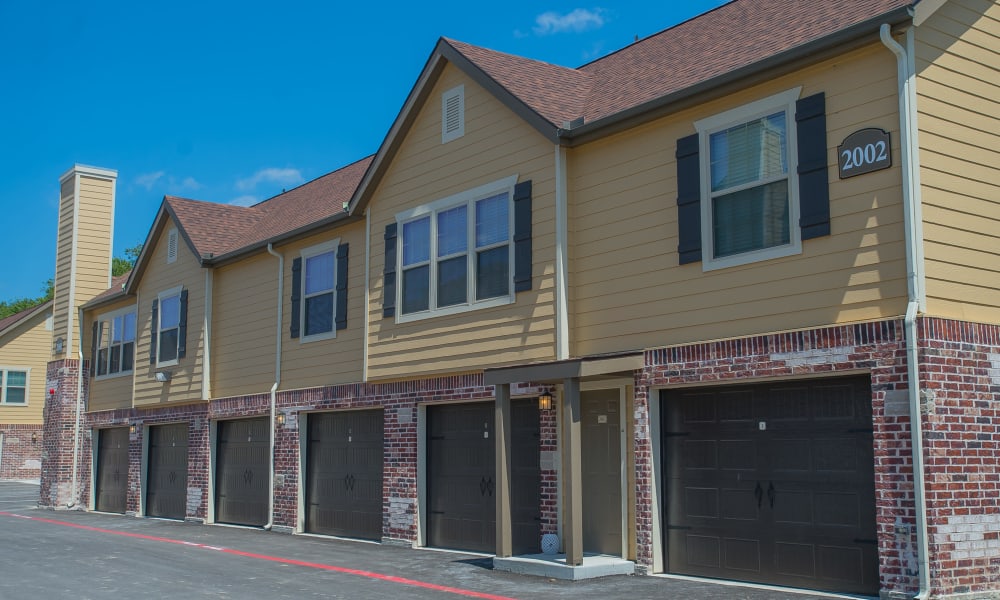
{"x":601,"y":456}
{"x":344,"y":474}
{"x":112,"y":470}
{"x":242,"y":474}
{"x":772,"y":483}
{"x":461,"y":477}
{"x":166,"y":480}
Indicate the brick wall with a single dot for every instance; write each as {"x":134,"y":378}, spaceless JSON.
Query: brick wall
{"x":59,"y":436}
{"x":21,"y":454}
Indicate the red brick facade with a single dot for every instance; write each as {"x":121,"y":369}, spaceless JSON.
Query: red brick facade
{"x":960,"y":380}
{"x":21,"y":454}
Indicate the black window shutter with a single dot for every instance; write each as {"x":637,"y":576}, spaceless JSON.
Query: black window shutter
{"x":93,"y":349}
{"x":814,"y":179}
{"x":293,"y":328}
{"x":153,"y":332}
{"x":688,"y":200}
{"x":522,"y":236}
{"x":389,"y":273}
{"x":182,"y":326}
{"x":341,"y":316}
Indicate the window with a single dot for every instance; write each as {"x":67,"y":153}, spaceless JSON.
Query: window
{"x":456,"y":253}
{"x":453,"y":114}
{"x":114,"y":341}
{"x":13,"y":386}
{"x":749,"y":188}
{"x":319,"y":291}
{"x":169,"y":327}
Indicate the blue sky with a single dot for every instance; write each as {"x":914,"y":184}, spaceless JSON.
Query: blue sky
{"x":232,"y":102}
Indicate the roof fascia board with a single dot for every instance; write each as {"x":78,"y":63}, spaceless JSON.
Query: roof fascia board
{"x":118,"y":297}
{"x":925,"y":9}
{"x":515,"y":104}
{"x":284,"y":238}
{"x":837,"y":43}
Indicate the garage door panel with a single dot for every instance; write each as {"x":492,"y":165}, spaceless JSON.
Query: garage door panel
{"x":111,"y":491}
{"x":243,"y":473}
{"x":166,"y":480}
{"x":792,"y":484}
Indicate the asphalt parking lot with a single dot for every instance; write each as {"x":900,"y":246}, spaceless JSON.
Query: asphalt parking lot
{"x":75,"y":555}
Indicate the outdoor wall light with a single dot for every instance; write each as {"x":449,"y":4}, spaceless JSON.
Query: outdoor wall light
{"x":545,"y":401}
{"x":163,"y":376}
{"x":34,"y":437}
{"x":132,"y":429}
{"x":280,"y":419}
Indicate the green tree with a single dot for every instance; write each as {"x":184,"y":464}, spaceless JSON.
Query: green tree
{"x":12,"y":307}
{"x":121,"y":265}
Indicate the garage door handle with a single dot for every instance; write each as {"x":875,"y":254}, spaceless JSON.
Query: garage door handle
{"x":758,"y":493}
{"x":771,"y":493}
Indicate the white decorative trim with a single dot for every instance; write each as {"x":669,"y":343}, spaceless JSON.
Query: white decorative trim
{"x":174,"y":291}
{"x":453,"y":106}
{"x":305,"y":253}
{"x":172,"y":245}
{"x":4,"y":369}
{"x":109,"y":316}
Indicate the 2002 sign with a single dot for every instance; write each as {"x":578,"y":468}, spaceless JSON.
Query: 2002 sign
{"x":864,"y":151}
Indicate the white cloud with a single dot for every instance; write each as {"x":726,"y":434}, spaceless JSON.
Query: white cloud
{"x":148,"y":180}
{"x":576,"y":21}
{"x":188,"y":183}
{"x":286,"y":177}
{"x":247,"y":200}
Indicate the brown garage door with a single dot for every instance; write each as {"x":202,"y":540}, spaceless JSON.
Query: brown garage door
{"x":242,"y":473}
{"x":166,"y":481}
{"x":344,"y":474}
{"x":772,"y":483}
{"x":112,"y":470}
{"x":461,"y":477}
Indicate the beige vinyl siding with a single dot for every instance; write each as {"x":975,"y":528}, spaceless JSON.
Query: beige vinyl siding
{"x":496,"y":144}
{"x":64,"y":265}
{"x":627,"y":290}
{"x":958,"y":102}
{"x":186,"y":382}
{"x":27,"y":346}
{"x":245,"y":310}
{"x":108,"y":393}
{"x":94,"y":212}
{"x":331,"y":361}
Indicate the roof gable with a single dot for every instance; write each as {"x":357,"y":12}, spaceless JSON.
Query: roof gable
{"x":10,"y":323}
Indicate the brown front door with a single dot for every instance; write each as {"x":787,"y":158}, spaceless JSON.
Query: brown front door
{"x":600,"y":459}
{"x":344,"y":474}
{"x":461,"y":477}
{"x":112,"y":470}
{"x":242,"y":472}
{"x":772,"y":483}
{"x":166,"y":481}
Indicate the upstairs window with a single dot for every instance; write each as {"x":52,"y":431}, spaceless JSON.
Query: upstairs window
{"x":169,"y":327}
{"x":456,"y":254}
{"x":13,"y":386}
{"x":319,"y":291}
{"x":114,"y":341}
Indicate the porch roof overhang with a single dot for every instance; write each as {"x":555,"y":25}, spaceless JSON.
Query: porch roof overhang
{"x":606,"y":366}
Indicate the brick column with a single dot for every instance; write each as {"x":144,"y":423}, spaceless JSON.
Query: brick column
{"x":58,"y":436}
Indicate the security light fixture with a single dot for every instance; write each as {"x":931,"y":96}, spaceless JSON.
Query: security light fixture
{"x":545,"y":401}
{"x":163,"y":376}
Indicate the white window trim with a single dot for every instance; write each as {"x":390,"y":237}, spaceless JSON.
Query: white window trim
{"x":330,"y":246}
{"x":3,"y":385}
{"x":110,"y":316}
{"x":174,"y":291}
{"x":459,"y":92}
{"x":467,"y":197}
{"x":742,"y":114}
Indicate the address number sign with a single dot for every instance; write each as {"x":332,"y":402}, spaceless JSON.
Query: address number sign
{"x":864,"y":151}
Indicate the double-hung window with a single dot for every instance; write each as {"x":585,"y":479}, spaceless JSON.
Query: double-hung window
{"x":13,"y":386}
{"x":319,"y":282}
{"x":749,"y":191}
{"x":115,"y":343}
{"x":456,"y":253}
{"x":169,"y":314}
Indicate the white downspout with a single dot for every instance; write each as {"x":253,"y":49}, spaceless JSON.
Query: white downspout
{"x":76,"y":422}
{"x":368,"y":252}
{"x":277,"y":381}
{"x":906,"y":75}
{"x":562,"y":251}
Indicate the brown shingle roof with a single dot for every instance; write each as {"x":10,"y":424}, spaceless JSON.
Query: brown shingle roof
{"x":8,"y":322}
{"x":117,"y":289}
{"x":733,"y":36}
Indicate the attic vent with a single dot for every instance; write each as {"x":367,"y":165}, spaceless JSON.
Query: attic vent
{"x":171,"y":246}
{"x":453,"y":114}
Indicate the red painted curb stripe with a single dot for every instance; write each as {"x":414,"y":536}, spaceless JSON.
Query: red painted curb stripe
{"x":288,"y":561}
